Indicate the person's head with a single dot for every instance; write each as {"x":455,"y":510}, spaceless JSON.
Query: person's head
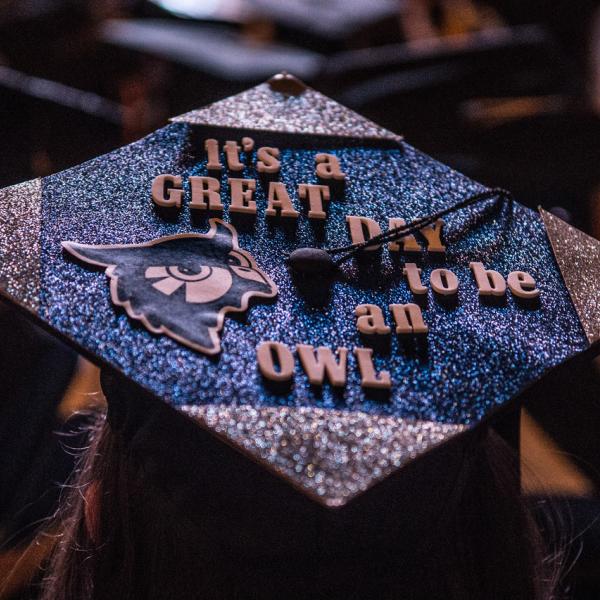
{"x":158,"y":511}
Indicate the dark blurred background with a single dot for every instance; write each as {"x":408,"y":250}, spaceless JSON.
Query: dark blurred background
{"x":507,"y":91}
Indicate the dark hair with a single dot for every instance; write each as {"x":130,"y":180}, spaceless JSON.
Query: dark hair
{"x":122,"y":538}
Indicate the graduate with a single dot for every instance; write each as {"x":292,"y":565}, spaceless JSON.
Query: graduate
{"x":314,"y":342}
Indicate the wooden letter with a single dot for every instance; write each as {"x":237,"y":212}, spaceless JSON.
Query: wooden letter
{"x":328,"y":167}
{"x":247,"y":144}
{"x":275,"y":361}
{"x":408,"y":318}
{"x":433,"y":235}
{"x":279,"y":200}
{"x":205,"y":193}
{"x":212,"y":150}
{"x":522,"y":285}
{"x":268,"y":160}
{"x":358,"y":225}
{"x":167,"y":197}
{"x":323,"y":364}
{"x":490,"y":283}
{"x":316,"y":194}
{"x":413,"y":275}
{"x":408,"y":243}
{"x":370,"y":320}
{"x":242,"y":191}
{"x":369,"y":378}
{"x":232,"y":154}
{"x":444,"y":282}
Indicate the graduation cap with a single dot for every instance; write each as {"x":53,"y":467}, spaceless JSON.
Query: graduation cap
{"x":333,"y":20}
{"x":220,"y":53}
{"x":168,"y":261}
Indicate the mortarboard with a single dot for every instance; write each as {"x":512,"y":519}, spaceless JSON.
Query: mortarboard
{"x":223,"y":54}
{"x":168,"y":261}
{"x":335,"y":20}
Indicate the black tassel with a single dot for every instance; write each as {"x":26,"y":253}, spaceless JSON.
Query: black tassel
{"x":316,"y":261}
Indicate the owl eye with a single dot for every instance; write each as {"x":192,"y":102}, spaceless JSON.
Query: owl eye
{"x":237,"y":260}
{"x":187,"y":274}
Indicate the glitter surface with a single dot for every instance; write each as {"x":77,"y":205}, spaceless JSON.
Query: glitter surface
{"x":20,"y":214}
{"x":332,"y":454}
{"x":578,"y":257}
{"x":476,"y":356}
{"x":310,"y":113}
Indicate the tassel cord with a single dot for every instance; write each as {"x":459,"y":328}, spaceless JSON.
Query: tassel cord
{"x":398,"y":233}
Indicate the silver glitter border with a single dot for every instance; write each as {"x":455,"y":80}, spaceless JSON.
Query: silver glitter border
{"x":331,"y":455}
{"x":20,"y":227}
{"x":309,"y":113}
{"x":578,"y":258}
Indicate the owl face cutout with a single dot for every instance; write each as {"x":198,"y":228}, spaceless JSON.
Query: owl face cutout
{"x":181,"y":285}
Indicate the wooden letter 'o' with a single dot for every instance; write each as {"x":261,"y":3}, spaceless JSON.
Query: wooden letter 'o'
{"x":275,"y":361}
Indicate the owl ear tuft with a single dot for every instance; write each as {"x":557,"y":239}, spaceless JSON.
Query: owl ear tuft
{"x":224,"y":234}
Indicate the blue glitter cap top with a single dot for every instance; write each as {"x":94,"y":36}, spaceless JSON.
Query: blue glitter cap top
{"x":333,"y":442}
